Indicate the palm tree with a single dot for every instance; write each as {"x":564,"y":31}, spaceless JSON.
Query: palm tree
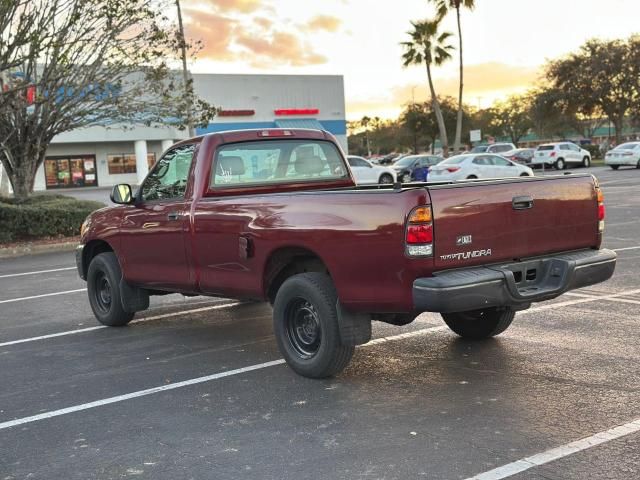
{"x":443,"y":7}
{"x":429,"y":46}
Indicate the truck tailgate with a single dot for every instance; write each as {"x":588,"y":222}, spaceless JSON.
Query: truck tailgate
{"x":485,"y":222}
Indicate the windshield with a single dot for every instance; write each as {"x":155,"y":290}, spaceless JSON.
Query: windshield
{"x":480,"y":149}
{"x":627,"y":146}
{"x":405,"y":162}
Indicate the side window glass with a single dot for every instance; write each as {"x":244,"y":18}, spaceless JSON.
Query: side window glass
{"x":564,"y":147}
{"x":499,"y":161}
{"x":168,"y":178}
{"x":482,"y":160}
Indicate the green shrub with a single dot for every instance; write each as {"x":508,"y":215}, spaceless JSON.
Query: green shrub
{"x":594,"y":150}
{"x":43,"y":216}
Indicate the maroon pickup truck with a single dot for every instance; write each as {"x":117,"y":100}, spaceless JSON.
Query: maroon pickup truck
{"x":275,"y":215}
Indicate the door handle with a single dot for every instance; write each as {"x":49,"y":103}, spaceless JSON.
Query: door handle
{"x":522,"y":203}
{"x":171,"y":216}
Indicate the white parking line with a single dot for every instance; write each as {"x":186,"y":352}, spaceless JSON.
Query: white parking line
{"x":43,"y":295}
{"x":626,"y":248}
{"x":551,"y":306}
{"x":185,"y":383}
{"x":35,"y":273}
{"x":562,"y":451}
{"x":99,"y":327}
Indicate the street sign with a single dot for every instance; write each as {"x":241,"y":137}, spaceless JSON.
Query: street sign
{"x":475,"y":135}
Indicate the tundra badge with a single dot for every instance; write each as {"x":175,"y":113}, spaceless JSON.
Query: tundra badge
{"x":463,"y":240}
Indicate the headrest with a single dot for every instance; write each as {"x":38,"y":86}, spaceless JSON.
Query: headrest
{"x":310,"y":165}
{"x":230,"y":166}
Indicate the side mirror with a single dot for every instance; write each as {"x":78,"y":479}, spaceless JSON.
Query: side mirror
{"x":121,"y":194}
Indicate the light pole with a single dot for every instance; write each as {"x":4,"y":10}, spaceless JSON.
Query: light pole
{"x":185,"y":72}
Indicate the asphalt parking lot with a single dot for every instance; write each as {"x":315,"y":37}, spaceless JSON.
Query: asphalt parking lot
{"x":196,"y":388}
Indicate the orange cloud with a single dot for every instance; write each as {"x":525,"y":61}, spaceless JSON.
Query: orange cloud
{"x":281,"y":47}
{"x":242,"y":6}
{"x":215,"y":32}
{"x":324,"y":22}
{"x":247,"y":33}
{"x":485,"y":81}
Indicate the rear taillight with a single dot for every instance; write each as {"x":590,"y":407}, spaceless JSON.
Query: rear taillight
{"x":419,"y":238}
{"x":601,"y":211}
{"x":452,"y":169}
{"x":552,"y":154}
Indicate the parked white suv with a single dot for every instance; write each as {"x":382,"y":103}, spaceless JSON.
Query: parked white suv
{"x":366,"y":172}
{"x":561,"y":155}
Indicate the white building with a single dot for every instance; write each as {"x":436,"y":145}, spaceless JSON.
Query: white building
{"x":105,"y":156}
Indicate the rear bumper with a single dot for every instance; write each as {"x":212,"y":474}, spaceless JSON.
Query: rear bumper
{"x":515,"y":284}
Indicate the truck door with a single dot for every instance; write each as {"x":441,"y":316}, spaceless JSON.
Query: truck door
{"x":154,"y":230}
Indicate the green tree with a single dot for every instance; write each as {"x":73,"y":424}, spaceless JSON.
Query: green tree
{"x":513,"y":117}
{"x":601,"y":76}
{"x":429,"y":46}
{"x":89,"y":62}
{"x":443,"y":7}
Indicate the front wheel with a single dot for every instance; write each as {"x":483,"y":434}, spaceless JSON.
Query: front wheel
{"x":472,"y":177}
{"x":524,"y":174}
{"x":615,"y":167}
{"x":586,"y":162}
{"x":305,"y":322}
{"x":406,"y":178}
{"x":560,"y":165}
{"x":478,"y":324}
{"x":385,"y":179}
{"x":103,"y":287}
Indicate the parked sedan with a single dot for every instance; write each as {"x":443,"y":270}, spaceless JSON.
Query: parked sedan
{"x":366,"y":172}
{"x":624,"y":154}
{"x":520,"y":155}
{"x":470,"y":166}
{"x":415,"y":167}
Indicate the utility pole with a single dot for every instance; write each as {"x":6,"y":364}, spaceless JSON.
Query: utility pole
{"x":185,"y":72}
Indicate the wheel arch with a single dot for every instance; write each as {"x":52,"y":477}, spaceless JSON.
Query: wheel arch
{"x":284,"y":262}
{"x":91,"y":250}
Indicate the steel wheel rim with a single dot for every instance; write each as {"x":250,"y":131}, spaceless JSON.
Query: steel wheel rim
{"x":406,"y":178}
{"x":303,"y":328}
{"x":386,"y":179}
{"x":102,"y":293}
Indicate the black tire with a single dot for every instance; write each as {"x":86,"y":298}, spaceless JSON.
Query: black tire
{"x":638,"y":164}
{"x":406,"y":178}
{"x":478,"y":324}
{"x":103,"y":286}
{"x":305,"y":322}
{"x":385,"y":178}
{"x":524,"y":174}
{"x":471,"y":177}
{"x":615,"y":167}
{"x":586,"y":162}
{"x":560,"y":164}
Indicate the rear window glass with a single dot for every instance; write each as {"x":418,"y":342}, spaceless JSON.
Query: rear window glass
{"x":276,"y":161}
{"x":453,"y":160}
{"x":546,"y":147}
{"x":479,"y":149}
{"x":627,"y":146}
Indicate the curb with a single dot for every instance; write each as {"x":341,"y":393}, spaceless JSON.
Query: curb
{"x":34,"y":248}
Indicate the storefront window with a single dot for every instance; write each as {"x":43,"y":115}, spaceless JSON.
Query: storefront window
{"x":121,"y":163}
{"x":126,"y":162}
{"x":67,"y":172}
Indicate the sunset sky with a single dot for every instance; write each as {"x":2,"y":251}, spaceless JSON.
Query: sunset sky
{"x":506,"y":43}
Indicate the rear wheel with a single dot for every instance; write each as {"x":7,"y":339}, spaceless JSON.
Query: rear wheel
{"x":524,"y":174}
{"x":638,"y":164}
{"x":586,"y":162}
{"x":560,"y":165}
{"x":471,"y":177}
{"x":305,"y":323}
{"x":385,"y":178}
{"x":615,"y":167}
{"x":103,"y":287}
{"x":477,"y":324}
